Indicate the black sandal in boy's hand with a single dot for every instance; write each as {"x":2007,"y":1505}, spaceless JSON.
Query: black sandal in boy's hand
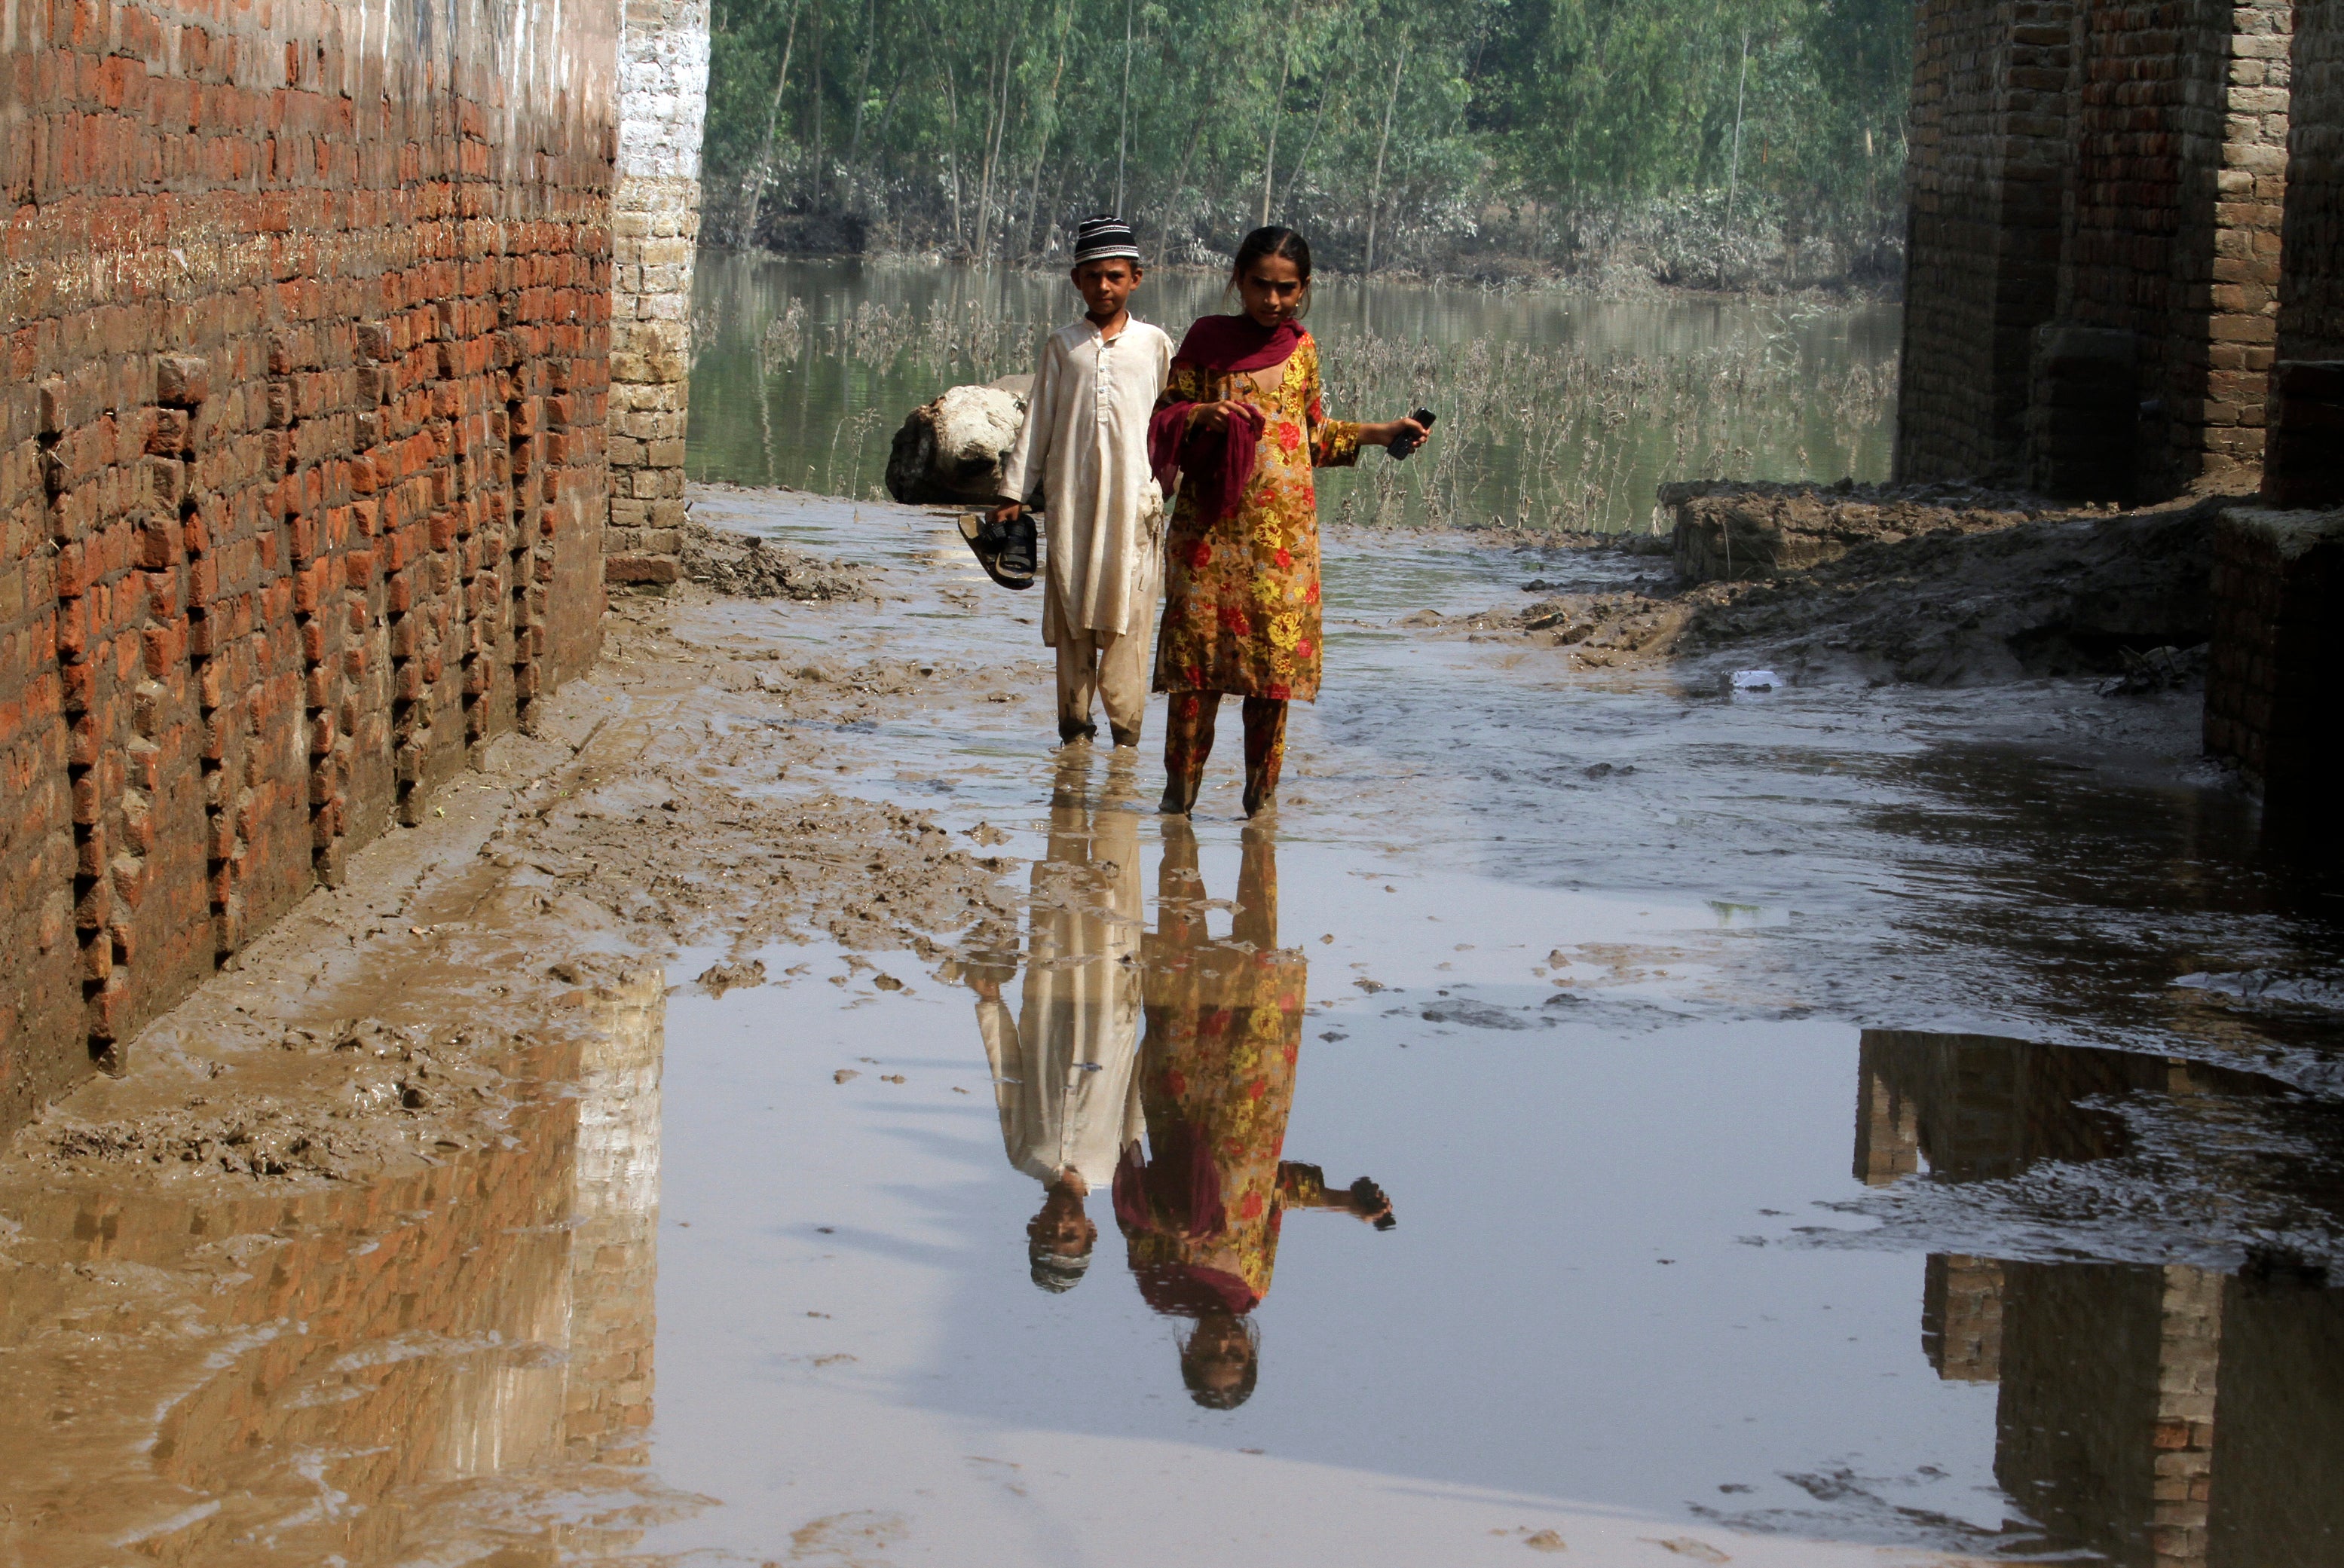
{"x":1007,"y":550}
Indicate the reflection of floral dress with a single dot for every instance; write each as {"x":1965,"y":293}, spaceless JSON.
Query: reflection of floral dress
{"x":1200,"y":1214}
{"x":1241,"y":595}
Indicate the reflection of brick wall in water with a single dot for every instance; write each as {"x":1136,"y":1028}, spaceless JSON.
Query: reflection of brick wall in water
{"x":2105,"y":1427}
{"x":614,"y":1257}
{"x":1961,"y":1317}
{"x":486,"y":1320}
{"x":2163,"y":1416}
{"x":2278,"y":1500}
{"x":1977,"y":1107}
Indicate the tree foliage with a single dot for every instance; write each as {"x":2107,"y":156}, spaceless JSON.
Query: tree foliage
{"x":1394,"y":133}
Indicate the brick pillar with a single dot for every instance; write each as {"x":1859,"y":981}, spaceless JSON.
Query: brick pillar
{"x":2083,"y":425}
{"x":2179,"y":121}
{"x":2307,"y":391}
{"x":656,"y":224}
{"x":2227,"y":263}
{"x":1983,"y":186}
{"x":2275,"y":667}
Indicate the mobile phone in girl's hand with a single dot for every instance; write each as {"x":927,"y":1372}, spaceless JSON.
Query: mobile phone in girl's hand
{"x":1406,"y":441}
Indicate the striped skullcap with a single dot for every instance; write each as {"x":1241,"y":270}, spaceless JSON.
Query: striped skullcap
{"x":1104,"y":236}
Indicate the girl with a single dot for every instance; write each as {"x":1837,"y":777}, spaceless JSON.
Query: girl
{"x":1239,"y":417}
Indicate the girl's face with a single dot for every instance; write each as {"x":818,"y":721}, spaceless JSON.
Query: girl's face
{"x":1270,"y":289}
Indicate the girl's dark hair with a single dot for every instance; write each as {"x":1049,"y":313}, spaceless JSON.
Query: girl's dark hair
{"x":1279,"y":241}
{"x":1192,"y":1374}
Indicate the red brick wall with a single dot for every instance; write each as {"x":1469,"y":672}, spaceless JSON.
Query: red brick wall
{"x":301,"y":471}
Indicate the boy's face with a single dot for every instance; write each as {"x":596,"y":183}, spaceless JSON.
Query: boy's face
{"x":1062,"y":1227}
{"x":1106,"y":285}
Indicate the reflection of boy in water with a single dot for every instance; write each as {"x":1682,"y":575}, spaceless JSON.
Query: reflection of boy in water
{"x":1062,"y":1069}
{"x":1200,"y":1212}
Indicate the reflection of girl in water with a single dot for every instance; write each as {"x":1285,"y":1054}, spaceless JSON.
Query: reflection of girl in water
{"x":1200,"y":1211}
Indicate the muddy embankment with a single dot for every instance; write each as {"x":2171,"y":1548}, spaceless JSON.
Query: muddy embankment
{"x":1932,"y":585}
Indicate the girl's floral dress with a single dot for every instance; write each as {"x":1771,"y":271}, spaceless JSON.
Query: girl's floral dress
{"x":1241,"y":595}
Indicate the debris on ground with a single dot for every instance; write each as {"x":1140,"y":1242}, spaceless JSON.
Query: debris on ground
{"x":718,"y":979}
{"x":754,"y":568}
{"x":1723,"y":529}
{"x":2167,"y":668}
{"x":1957,"y":605}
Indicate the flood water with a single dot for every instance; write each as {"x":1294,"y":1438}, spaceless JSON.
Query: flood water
{"x":1830,"y":1125}
{"x":1562,"y":410}
{"x":1797,"y":1141}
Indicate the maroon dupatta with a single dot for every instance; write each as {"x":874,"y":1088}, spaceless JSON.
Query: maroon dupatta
{"x":1218,"y":463}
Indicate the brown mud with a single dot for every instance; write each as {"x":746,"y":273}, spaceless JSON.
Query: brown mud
{"x":1932,"y":595}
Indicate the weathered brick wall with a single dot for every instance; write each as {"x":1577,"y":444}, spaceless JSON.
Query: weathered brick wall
{"x":2307,"y":393}
{"x":2171,"y":239}
{"x":2312,"y":294}
{"x":663,"y":101}
{"x":301,"y":471}
{"x":2097,"y":191}
{"x":1985,"y":178}
{"x":2276,"y":664}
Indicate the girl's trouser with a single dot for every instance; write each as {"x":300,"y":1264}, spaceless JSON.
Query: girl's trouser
{"x":1188,"y":740}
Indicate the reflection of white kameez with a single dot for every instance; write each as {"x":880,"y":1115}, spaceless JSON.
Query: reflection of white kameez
{"x":1063,"y":1070}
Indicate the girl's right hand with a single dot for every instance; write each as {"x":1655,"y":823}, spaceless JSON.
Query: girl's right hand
{"x":1211,"y":416}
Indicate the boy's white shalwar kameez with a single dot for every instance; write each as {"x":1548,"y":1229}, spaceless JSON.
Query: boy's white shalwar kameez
{"x":1081,"y":459}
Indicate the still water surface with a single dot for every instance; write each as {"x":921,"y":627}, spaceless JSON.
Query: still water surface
{"x":1798,"y":1147}
{"x":1834,"y":1126}
{"x":1560,"y":410}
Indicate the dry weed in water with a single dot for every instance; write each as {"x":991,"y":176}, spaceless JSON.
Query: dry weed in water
{"x":1533,"y":437}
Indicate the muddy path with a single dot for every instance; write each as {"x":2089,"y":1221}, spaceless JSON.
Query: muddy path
{"x":625,"y":1165}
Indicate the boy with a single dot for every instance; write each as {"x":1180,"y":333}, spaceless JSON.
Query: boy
{"x":1081,"y":460}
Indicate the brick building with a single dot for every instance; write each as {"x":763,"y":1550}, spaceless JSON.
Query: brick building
{"x":2096,"y":190}
{"x":2126,"y":283}
{"x":305,"y":443}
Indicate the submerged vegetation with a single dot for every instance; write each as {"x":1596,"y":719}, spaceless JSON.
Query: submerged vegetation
{"x":1719,"y":143}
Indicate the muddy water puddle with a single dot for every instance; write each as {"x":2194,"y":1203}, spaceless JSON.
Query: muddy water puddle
{"x":1598,"y":1116}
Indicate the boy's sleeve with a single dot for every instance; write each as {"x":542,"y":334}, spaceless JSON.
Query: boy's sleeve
{"x":1029,"y":457}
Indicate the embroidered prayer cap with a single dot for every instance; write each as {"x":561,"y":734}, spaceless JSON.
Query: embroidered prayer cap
{"x":1097,"y":238}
